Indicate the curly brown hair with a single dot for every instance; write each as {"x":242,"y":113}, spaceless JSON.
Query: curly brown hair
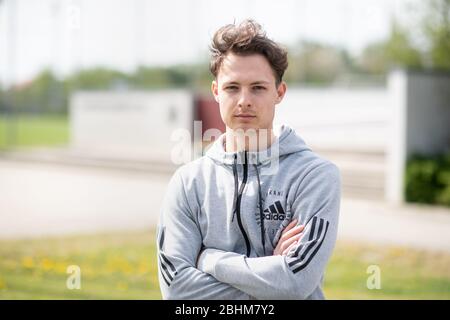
{"x":245,"y":39}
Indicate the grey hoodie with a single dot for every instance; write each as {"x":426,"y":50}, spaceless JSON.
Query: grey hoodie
{"x":223,"y":215}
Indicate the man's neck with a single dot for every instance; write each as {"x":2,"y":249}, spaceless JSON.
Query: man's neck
{"x":251,"y":140}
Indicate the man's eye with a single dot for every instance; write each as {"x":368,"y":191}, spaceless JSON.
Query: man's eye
{"x":231,"y":88}
{"x":259,"y":88}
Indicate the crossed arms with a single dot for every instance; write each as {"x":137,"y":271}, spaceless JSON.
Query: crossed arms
{"x":293,"y":271}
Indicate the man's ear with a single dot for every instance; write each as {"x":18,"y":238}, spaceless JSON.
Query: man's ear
{"x":281,"y":91}
{"x":215,"y":90}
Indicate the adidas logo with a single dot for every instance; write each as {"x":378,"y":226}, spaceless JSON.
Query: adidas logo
{"x":274,"y":212}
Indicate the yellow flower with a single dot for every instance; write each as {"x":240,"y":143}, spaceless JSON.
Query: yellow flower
{"x":61,"y":267}
{"x":127,"y":268}
{"x":118,"y":264}
{"x":143,"y":269}
{"x":27,"y":262}
{"x":3,"y":284}
{"x":122,"y":286}
{"x":47,"y":264}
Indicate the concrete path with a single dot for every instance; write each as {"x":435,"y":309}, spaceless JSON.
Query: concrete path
{"x":47,"y":199}
{"x":416,"y":226}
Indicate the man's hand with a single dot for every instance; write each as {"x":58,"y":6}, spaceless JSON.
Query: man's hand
{"x":199,"y":254}
{"x":289,"y":237}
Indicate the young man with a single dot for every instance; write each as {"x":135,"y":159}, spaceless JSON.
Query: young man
{"x":257,"y":216}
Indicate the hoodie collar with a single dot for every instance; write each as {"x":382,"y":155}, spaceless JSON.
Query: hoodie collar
{"x":286,"y":141}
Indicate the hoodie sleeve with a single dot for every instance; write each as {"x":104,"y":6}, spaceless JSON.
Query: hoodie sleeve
{"x":299,"y":273}
{"x":178,"y":244}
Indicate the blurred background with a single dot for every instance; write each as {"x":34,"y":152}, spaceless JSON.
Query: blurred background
{"x":100,"y":101}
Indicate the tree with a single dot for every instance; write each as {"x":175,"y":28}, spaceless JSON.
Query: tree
{"x":433,"y":27}
{"x":436,"y":26}
{"x":313,"y":62}
{"x":373,"y":59}
{"x":399,"y":49}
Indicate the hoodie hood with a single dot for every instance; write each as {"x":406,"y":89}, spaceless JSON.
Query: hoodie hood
{"x":286,"y":142}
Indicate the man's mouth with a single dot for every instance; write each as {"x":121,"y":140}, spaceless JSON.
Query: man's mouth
{"x":245,"y":116}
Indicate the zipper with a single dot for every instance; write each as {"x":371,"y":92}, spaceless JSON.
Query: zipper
{"x":238,"y":204}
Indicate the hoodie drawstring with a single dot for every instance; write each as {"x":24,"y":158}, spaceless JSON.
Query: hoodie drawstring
{"x":261,"y":213}
{"x":238,"y":199}
{"x":235,"y":202}
{"x":235,"y":174}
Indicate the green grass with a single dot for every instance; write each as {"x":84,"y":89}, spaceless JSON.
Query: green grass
{"x":34,"y":131}
{"x":405,"y":273}
{"x":123,"y":266}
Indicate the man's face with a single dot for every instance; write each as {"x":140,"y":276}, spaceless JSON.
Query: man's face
{"x":246,"y":92}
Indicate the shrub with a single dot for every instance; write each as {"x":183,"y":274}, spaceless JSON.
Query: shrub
{"x":428,"y":179}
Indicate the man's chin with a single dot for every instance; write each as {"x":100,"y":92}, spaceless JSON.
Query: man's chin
{"x":245,"y":128}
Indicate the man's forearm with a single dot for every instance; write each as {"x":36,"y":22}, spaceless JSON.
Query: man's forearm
{"x":270,"y":277}
{"x":191,"y":283}
{"x":240,"y":272}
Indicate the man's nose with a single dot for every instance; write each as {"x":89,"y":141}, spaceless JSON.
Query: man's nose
{"x":244,"y":99}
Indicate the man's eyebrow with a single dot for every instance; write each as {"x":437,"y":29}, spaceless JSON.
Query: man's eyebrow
{"x":253,"y":83}
{"x":260,"y":82}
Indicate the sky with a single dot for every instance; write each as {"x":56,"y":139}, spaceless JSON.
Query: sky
{"x":68,"y":35}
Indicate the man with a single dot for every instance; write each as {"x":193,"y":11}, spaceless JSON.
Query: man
{"x":249,"y":220}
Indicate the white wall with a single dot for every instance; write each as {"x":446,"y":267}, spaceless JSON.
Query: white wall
{"x":338,"y":119}
{"x":420,"y":122}
{"x":428,"y":113}
{"x":396,"y":149}
{"x":129,"y":124}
